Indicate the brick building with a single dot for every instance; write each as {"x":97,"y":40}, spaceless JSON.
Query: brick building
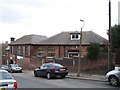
{"x":64,"y":44}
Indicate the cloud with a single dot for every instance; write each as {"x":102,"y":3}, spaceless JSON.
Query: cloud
{"x":15,"y":11}
{"x":9,"y":16}
{"x":49,"y":17}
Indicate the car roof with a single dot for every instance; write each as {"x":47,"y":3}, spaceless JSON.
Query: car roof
{"x":3,"y":70}
{"x":4,"y":65}
{"x":13,"y":64}
{"x":53,"y":64}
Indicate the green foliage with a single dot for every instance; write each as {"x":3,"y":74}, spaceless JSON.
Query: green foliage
{"x":4,"y":46}
{"x":115,"y":36}
{"x":103,"y":50}
{"x":93,"y":50}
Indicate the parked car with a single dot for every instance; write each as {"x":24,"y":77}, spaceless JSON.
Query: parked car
{"x":14,"y":68}
{"x":113,"y":77}
{"x":7,"y":82}
{"x":50,"y":70}
{"x":4,"y":67}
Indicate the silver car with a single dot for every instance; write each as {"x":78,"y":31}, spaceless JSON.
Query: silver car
{"x":14,"y":68}
{"x":4,"y":67}
{"x":113,"y":77}
{"x":7,"y":82}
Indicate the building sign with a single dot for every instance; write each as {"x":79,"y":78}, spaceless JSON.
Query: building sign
{"x":19,"y":57}
{"x":73,"y":53}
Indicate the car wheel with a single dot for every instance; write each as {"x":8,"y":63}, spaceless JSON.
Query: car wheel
{"x":48,"y":76}
{"x":62,"y":76}
{"x":11,"y":71}
{"x":113,"y":80}
{"x":20,"y":71}
{"x":35,"y":74}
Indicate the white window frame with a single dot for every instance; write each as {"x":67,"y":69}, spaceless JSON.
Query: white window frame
{"x":75,"y":38}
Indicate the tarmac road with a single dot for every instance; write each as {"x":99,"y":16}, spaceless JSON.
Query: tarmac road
{"x":27,"y":80}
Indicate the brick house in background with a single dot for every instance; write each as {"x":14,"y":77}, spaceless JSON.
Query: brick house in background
{"x":64,"y":44}
{"x":25,"y":47}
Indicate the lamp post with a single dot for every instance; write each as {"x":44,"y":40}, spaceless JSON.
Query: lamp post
{"x":80,"y":49}
{"x":110,"y":40}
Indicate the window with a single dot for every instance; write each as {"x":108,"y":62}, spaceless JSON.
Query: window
{"x":26,"y":51}
{"x":41,"y":52}
{"x":11,"y":49}
{"x":51,"y":52}
{"x":21,"y":50}
{"x":15,"y":50}
{"x":75,"y":36}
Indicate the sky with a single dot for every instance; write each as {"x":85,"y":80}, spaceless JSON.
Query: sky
{"x":50,"y":17}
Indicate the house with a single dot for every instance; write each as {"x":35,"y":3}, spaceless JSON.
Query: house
{"x":25,"y":46}
{"x":64,"y":44}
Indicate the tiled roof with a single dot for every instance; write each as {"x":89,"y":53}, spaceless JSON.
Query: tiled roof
{"x":30,"y":39}
{"x":64,"y":39}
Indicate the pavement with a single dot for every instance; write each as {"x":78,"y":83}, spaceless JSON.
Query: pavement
{"x":82,"y":76}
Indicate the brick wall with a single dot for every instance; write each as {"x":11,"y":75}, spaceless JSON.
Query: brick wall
{"x":96,"y":66}
{"x":86,"y":65}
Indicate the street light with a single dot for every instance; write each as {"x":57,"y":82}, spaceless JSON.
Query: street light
{"x":110,"y":40}
{"x":80,"y":49}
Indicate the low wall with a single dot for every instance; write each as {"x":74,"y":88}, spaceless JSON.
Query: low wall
{"x":100,"y":65}
{"x":86,"y":65}
{"x":30,"y":64}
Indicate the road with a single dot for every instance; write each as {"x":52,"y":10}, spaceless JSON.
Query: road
{"x":27,"y":80}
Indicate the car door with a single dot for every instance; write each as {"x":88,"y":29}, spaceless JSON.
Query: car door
{"x":119,"y":74}
{"x":44,"y":70}
{"x":9,"y":67}
{"x":40,"y":70}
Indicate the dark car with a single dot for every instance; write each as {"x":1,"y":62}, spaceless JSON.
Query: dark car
{"x":14,"y":68}
{"x":51,"y":70}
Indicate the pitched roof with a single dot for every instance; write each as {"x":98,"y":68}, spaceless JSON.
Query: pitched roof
{"x":29,"y":39}
{"x":64,"y":39}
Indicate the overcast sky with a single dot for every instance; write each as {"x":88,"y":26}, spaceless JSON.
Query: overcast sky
{"x":50,"y":17}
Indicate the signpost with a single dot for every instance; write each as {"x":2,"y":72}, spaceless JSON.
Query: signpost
{"x":80,"y":51}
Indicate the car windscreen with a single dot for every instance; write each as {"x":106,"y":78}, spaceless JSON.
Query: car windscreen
{"x":14,"y":65}
{"x":4,"y":66}
{"x":5,"y":75}
{"x":57,"y":66}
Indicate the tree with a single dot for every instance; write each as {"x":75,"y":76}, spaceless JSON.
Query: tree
{"x":93,"y":50}
{"x":115,"y":36}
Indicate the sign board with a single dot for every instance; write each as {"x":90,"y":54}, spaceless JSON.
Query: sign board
{"x":19,"y":57}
